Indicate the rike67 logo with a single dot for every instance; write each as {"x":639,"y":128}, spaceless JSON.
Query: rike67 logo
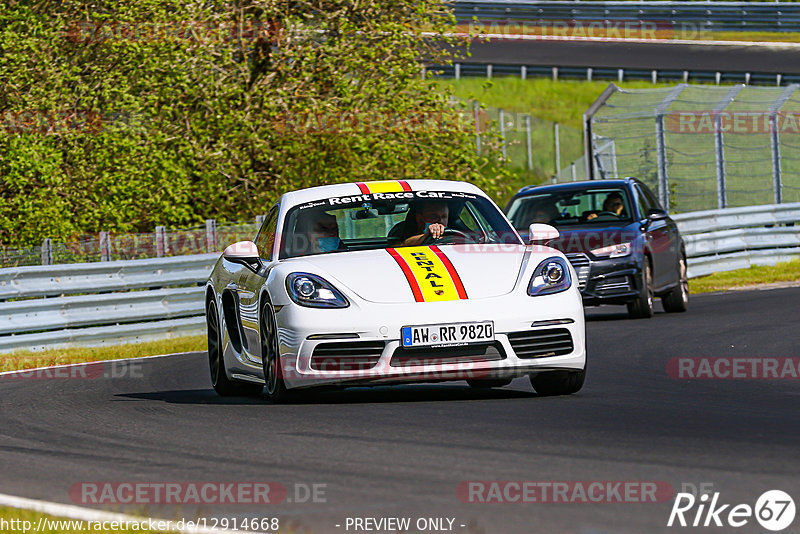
{"x":774,"y":510}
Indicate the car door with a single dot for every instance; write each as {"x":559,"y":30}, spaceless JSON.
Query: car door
{"x":659,"y":236}
{"x":250,"y":286}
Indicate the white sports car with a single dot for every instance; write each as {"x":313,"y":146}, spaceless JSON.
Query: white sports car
{"x":392,"y":281}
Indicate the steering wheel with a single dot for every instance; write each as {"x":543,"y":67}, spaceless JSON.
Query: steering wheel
{"x":452,"y":233}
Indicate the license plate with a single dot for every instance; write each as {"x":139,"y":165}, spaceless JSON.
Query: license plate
{"x":447,"y":334}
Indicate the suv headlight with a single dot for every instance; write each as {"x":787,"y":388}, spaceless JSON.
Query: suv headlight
{"x":613,"y":251}
{"x":310,"y":290}
{"x":551,"y":276}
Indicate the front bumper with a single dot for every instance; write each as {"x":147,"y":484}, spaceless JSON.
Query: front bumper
{"x":608,"y":280}
{"x":375,"y":324}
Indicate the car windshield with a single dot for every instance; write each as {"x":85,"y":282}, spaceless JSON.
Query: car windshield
{"x":378,"y":221}
{"x":571,"y":207}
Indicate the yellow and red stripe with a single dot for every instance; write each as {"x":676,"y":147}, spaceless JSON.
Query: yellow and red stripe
{"x":429,"y":273}
{"x":385,"y":186}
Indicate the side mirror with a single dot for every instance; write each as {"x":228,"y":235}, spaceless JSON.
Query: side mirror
{"x":539,"y":232}
{"x":656,"y":214}
{"x":244,"y":252}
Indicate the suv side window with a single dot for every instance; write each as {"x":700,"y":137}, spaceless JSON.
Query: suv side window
{"x":654,"y":203}
{"x":644,"y":203}
{"x":266,"y":236}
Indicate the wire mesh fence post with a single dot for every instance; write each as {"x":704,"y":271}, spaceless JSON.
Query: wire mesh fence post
{"x":47,"y":251}
{"x":574,"y":173}
{"x":558,"y":148}
{"x":211,"y":235}
{"x":776,"y":156}
{"x":528,"y":141}
{"x":661,"y":144}
{"x":105,"y":246}
{"x":775,"y":141}
{"x":719,"y":146}
{"x":161,"y":241}
{"x":501,"y":118}
{"x":476,"y":113}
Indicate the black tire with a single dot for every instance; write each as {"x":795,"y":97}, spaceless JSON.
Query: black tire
{"x":642,"y":307}
{"x":677,"y":300}
{"x":485,"y":383}
{"x":224,"y":386}
{"x":550,"y":383}
{"x":270,"y":356}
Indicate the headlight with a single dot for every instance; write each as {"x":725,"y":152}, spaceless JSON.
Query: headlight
{"x":613,"y":251}
{"x":312,"y":291}
{"x":551,"y":276}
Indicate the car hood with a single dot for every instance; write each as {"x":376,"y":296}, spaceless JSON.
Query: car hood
{"x":588,"y":238}
{"x":377,"y":275}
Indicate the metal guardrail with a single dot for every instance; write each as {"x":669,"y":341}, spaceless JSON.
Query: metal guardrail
{"x":737,"y":238}
{"x":136,"y":300}
{"x":102,"y":303}
{"x":122,"y":275}
{"x":732,"y":16}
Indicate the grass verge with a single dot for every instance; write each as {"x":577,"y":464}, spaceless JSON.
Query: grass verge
{"x":562,"y":101}
{"x":762,"y":274}
{"x":24,"y":359}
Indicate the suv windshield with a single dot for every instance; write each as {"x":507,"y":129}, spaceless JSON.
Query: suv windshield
{"x":377,"y":221}
{"x":569,"y":207}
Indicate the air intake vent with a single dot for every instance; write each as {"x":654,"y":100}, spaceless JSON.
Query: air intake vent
{"x":616,"y":284}
{"x":346,"y":356}
{"x":581,"y":264}
{"x":404,"y":357}
{"x":541,"y":343}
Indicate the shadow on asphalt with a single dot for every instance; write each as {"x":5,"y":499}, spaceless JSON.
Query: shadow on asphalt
{"x":354,"y":395}
{"x":607,"y":313}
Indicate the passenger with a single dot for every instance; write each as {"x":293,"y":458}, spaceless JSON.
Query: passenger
{"x":323,"y":233}
{"x":544,"y":212}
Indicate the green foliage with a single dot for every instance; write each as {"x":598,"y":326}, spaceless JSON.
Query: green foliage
{"x":120,"y":115}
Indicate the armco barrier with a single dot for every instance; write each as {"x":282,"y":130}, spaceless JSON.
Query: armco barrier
{"x":698,"y":16}
{"x":737,"y":238}
{"x":103,"y":302}
{"x":136,"y":300}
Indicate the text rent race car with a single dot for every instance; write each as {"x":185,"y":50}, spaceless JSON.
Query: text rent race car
{"x":393,"y":281}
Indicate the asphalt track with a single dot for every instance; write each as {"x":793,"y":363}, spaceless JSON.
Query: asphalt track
{"x":403,"y":451}
{"x":654,"y":55}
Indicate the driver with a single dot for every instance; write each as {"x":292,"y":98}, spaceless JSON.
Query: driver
{"x":612,"y":204}
{"x":431,"y":221}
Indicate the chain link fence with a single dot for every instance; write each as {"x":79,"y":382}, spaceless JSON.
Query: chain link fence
{"x":701,"y":147}
{"x":107,"y":246}
{"x":533,"y":148}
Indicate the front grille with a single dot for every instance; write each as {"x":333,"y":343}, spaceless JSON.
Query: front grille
{"x":581,"y":264}
{"x":347,"y":356}
{"x":404,"y":357}
{"x":541,"y":343}
{"x":616,"y":284}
